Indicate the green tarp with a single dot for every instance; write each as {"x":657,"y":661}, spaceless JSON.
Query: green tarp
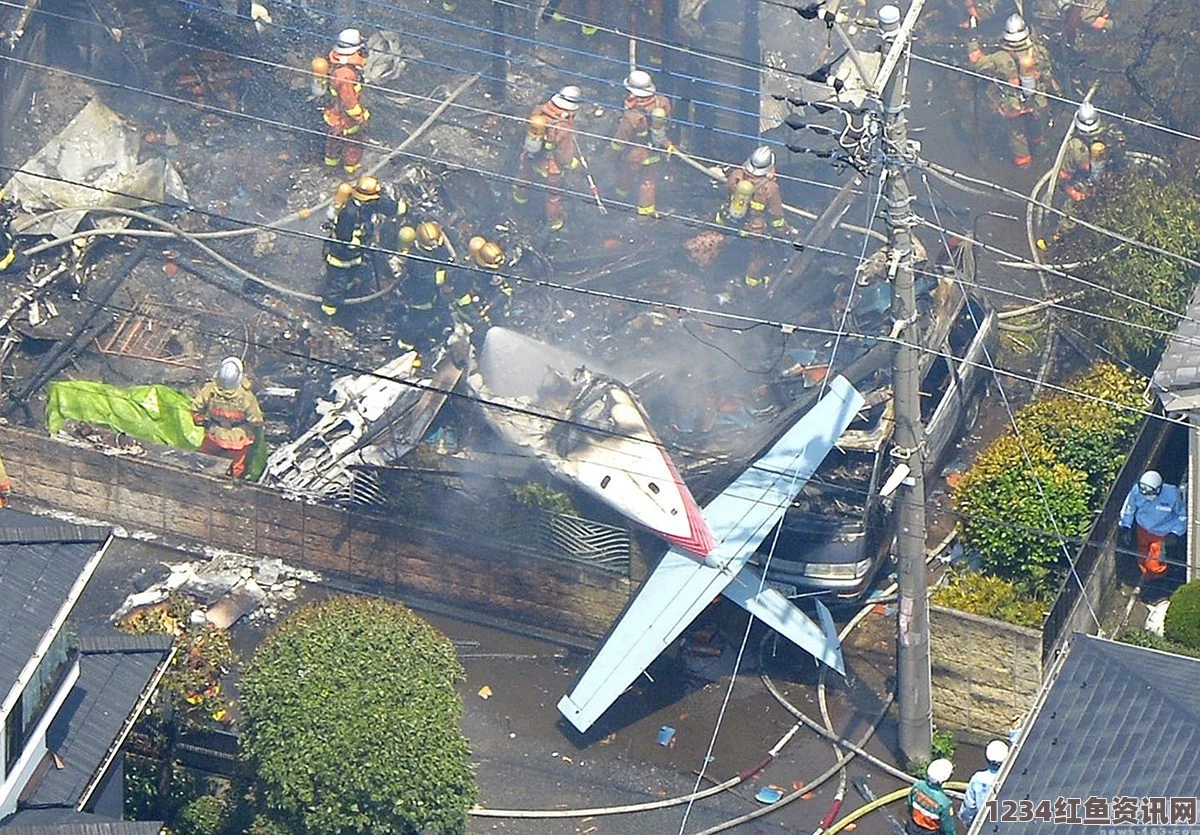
{"x":156,"y":414}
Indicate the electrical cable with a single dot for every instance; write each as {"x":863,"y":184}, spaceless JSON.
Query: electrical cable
{"x":1016,"y":428}
{"x":1074,"y":104}
{"x":579,"y":195}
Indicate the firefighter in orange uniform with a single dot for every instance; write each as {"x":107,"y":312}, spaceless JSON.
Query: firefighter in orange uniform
{"x":549,"y":150}
{"x":755,"y":207}
{"x":642,"y":138}
{"x":340,"y":80}
{"x":230,"y":415}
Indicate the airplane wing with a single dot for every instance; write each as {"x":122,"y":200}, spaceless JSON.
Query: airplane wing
{"x":777,"y":612}
{"x":681,"y":586}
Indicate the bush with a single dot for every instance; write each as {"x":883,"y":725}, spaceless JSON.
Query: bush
{"x":352,"y":722}
{"x":1115,"y":385}
{"x":1011,"y":512}
{"x":202,"y":816}
{"x":540,"y":497}
{"x":990,"y":597}
{"x":1165,"y":215}
{"x":1152,"y":640}
{"x":1183,"y":616}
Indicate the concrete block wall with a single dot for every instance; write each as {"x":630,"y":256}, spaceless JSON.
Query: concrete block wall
{"x":985,"y":672}
{"x":180,"y":504}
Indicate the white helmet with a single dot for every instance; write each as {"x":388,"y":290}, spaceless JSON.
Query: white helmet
{"x":640,"y":84}
{"x":1086,"y":119}
{"x":567,"y":98}
{"x":229,"y":374}
{"x":939,"y":771}
{"x":760,"y":162}
{"x":349,"y":41}
{"x":996,"y":752}
{"x":1015,"y":30}
{"x":1150,"y":483}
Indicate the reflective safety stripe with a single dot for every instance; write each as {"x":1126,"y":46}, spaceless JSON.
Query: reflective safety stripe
{"x":8,"y":259}
{"x":423,"y":306}
{"x":467,"y":299}
{"x":652,"y":159}
{"x":646,"y":210}
{"x":758,"y":207}
{"x":338,"y":262}
{"x":440,"y":277}
{"x":778,"y":223}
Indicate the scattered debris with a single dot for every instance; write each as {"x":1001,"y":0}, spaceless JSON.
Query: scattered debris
{"x":666,"y":736}
{"x":228,"y":587}
{"x":485,"y":693}
{"x":1156,"y":616}
{"x":769,"y":794}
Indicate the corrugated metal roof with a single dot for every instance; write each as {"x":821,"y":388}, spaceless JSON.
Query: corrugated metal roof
{"x":1119,"y":721}
{"x":110,"y":683}
{"x":70,"y":822}
{"x":40,"y":560}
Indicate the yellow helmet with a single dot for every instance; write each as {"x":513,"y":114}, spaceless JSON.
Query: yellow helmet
{"x":475,"y":244}
{"x":342,"y":196}
{"x":429,"y":235}
{"x":407,"y":235}
{"x":490,"y":256}
{"x":367,"y":188}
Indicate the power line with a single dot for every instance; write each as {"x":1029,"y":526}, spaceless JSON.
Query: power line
{"x":1075,"y":104}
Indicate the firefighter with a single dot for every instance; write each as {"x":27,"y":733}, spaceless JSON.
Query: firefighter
{"x":755,"y":209}
{"x":1091,"y":153}
{"x":230,"y":415}
{"x":549,"y":150}
{"x":641,"y":139}
{"x":477,"y":298}
{"x":1084,"y":17}
{"x":1023,"y":68}
{"x":339,"y":80}
{"x":425,"y":269}
{"x":361,"y":221}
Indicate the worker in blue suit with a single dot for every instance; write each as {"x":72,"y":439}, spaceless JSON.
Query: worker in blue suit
{"x":1159,"y":514}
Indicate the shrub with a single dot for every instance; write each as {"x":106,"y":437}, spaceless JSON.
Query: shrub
{"x":1011,"y":511}
{"x":1152,"y":640}
{"x":540,"y":497}
{"x":1182,"y":624}
{"x":1165,"y":215}
{"x":990,"y":597}
{"x":202,"y":816}
{"x":943,"y":745}
{"x":1086,"y":435}
{"x":352,"y":722}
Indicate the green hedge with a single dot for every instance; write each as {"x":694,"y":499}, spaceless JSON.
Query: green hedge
{"x":1152,"y":640}
{"x":990,"y":597}
{"x":352,"y":723}
{"x":1182,"y":624}
{"x":1011,"y":511}
{"x":1077,"y":446}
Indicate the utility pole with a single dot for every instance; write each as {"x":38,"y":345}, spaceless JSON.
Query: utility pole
{"x":912,"y":646}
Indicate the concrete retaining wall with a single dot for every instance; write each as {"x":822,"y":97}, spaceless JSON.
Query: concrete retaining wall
{"x":985,"y":672}
{"x":181,"y":504}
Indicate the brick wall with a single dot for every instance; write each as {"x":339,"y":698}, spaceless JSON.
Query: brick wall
{"x":984,"y":672}
{"x":181,"y":504}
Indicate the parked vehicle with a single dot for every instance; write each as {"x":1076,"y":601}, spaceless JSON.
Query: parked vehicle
{"x":839,"y":531}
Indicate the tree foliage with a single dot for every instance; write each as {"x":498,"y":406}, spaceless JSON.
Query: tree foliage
{"x":1182,"y":624}
{"x":1087,"y":435}
{"x":1164,"y":215}
{"x":990,"y":597}
{"x":352,"y":722}
{"x":1012,"y":511}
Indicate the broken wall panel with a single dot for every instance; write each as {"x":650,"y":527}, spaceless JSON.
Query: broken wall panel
{"x":180,"y":505}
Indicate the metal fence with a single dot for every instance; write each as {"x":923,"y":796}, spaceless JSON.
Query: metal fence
{"x":1070,"y":595}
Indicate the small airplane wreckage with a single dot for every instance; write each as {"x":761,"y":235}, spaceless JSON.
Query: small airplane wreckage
{"x":587,"y":428}
{"x":368,"y":420}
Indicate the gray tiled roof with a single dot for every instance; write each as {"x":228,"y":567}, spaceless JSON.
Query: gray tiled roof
{"x":113,"y":674}
{"x":70,"y":822}
{"x":1179,"y":368}
{"x":1120,"y":721}
{"x":40,"y":559}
